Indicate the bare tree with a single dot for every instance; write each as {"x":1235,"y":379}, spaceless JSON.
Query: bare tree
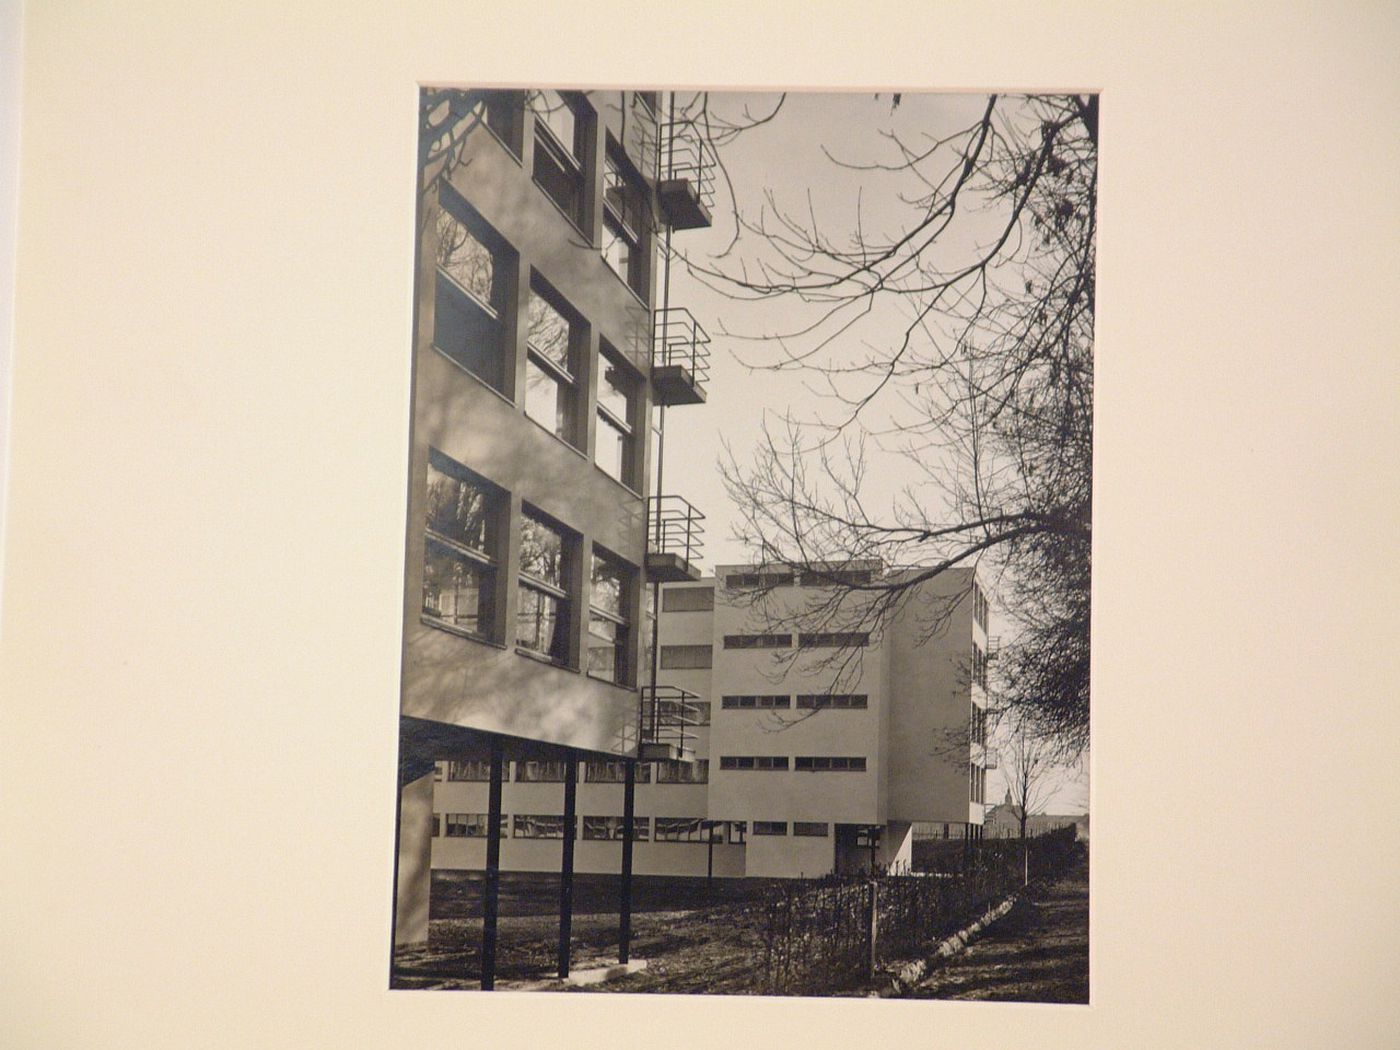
{"x":984,"y":384}
{"x":1028,"y":760}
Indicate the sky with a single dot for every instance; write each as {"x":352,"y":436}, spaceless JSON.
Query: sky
{"x":789,"y":158}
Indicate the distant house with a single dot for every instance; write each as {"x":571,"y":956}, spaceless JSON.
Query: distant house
{"x":1003,"y":821}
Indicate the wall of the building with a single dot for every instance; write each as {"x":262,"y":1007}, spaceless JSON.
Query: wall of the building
{"x":930,"y":662}
{"x":456,"y":680}
{"x":848,"y":797}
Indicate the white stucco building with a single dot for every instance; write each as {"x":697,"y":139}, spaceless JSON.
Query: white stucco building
{"x":814,"y":749}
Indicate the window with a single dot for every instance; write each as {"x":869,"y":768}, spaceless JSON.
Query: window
{"x":648,"y":100}
{"x":437,"y":825}
{"x":560,"y":153}
{"x":837,"y":701}
{"x":738,"y":832}
{"x":680,"y":829}
{"x":614,"y":773}
{"x":536,"y":772}
{"x":757,"y":641}
{"x":686,"y":657}
{"x":754,"y":580}
{"x":762,"y":703}
{"x":830,"y":763}
{"x":625,"y":223}
{"x":768,"y":763}
{"x":610,"y":620}
{"x":470,"y":825}
{"x":542,"y":622}
{"x":539,"y":826}
{"x":812,"y":829}
{"x":770,"y":827}
{"x":834,"y":640}
{"x":550,"y":391}
{"x":477,"y":770}
{"x":610,"y":828}
{"x":979,"y":665}
{"x":981,"y":608}
{"x":687,"y":599}
{"x":459,"y":562}
{"x":697,"y":772}
{"x":979,"y":725}
{"x":845,"y":577}
{"x":615,"y":447}
{"x":474,"y":275}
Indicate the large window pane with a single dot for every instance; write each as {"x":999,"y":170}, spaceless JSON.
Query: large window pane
{"x":467,"y":333}
{"x":548,"y":331}
{"x":464,"y":258}
{"x":609,"y":586}
{"x":558,"y":116}
{"x":546,"y":399}
{"x":541,"y":552}
{"x":459,"y":510}
{"x":456,"y":589}
{"x":542,"y":624}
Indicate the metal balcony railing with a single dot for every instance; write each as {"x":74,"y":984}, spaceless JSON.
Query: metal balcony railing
{"x":680,"y":357}
{"x":688,"y":165}
{"x":675,"y":538}
{"x":668,"y":719}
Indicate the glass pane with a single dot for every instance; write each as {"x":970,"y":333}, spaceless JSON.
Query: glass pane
{"x":541,"y":624}
{"x":617,"y":251}
{"x":605,"y":642}
{"x":541,"y":552}
{"x":465,"y":259}
{"x":616,"y":391}
{"x":548,"y":331}
{"x":544,"y":397}
{"x":622,"y":196}
{"x":609,"y":581}
{"x":459,"y":510}
{"x":610,"y":451}
{"x":455,"y":589}
{"x":558,"y":115}
{"x":467,"y":333}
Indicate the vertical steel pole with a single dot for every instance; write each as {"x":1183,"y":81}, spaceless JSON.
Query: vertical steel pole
{"x":490,"y":905}
{"x":566,"y":867}
{"x":629,"y":798}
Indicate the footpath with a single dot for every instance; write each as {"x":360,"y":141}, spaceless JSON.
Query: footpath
{"x":1038,"y":952}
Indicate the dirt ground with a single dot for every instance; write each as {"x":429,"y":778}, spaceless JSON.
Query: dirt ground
{"x":699,"y":939}
{"x":696,"y":938}
{"x":1038,"y":953}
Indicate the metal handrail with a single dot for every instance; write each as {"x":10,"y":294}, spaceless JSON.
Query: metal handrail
{"x":678,"y":339}
{"x":675,"y":527}
{"x":668,"y":715}
{"x":690,"y":157}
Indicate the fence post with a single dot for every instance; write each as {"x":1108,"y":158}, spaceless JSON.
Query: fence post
{"x":874,"y":906}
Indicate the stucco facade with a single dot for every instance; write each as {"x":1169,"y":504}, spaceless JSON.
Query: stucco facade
{"x":806,"y":751}
{"x":526,"y":548}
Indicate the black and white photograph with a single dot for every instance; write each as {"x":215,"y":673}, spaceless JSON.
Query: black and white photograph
{"x":791,"y":699}
{"x":799,"y":524}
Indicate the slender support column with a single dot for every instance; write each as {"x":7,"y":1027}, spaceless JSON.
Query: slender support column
{"x":624,"y":918}
{"x":491,"y":903}
{"x":566,"y":867}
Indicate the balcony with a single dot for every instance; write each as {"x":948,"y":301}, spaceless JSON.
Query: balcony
{"x":675,"y":537}
{"x":668,"y":720}
{"x":687,"y":187}
{"x":680,"y":358}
